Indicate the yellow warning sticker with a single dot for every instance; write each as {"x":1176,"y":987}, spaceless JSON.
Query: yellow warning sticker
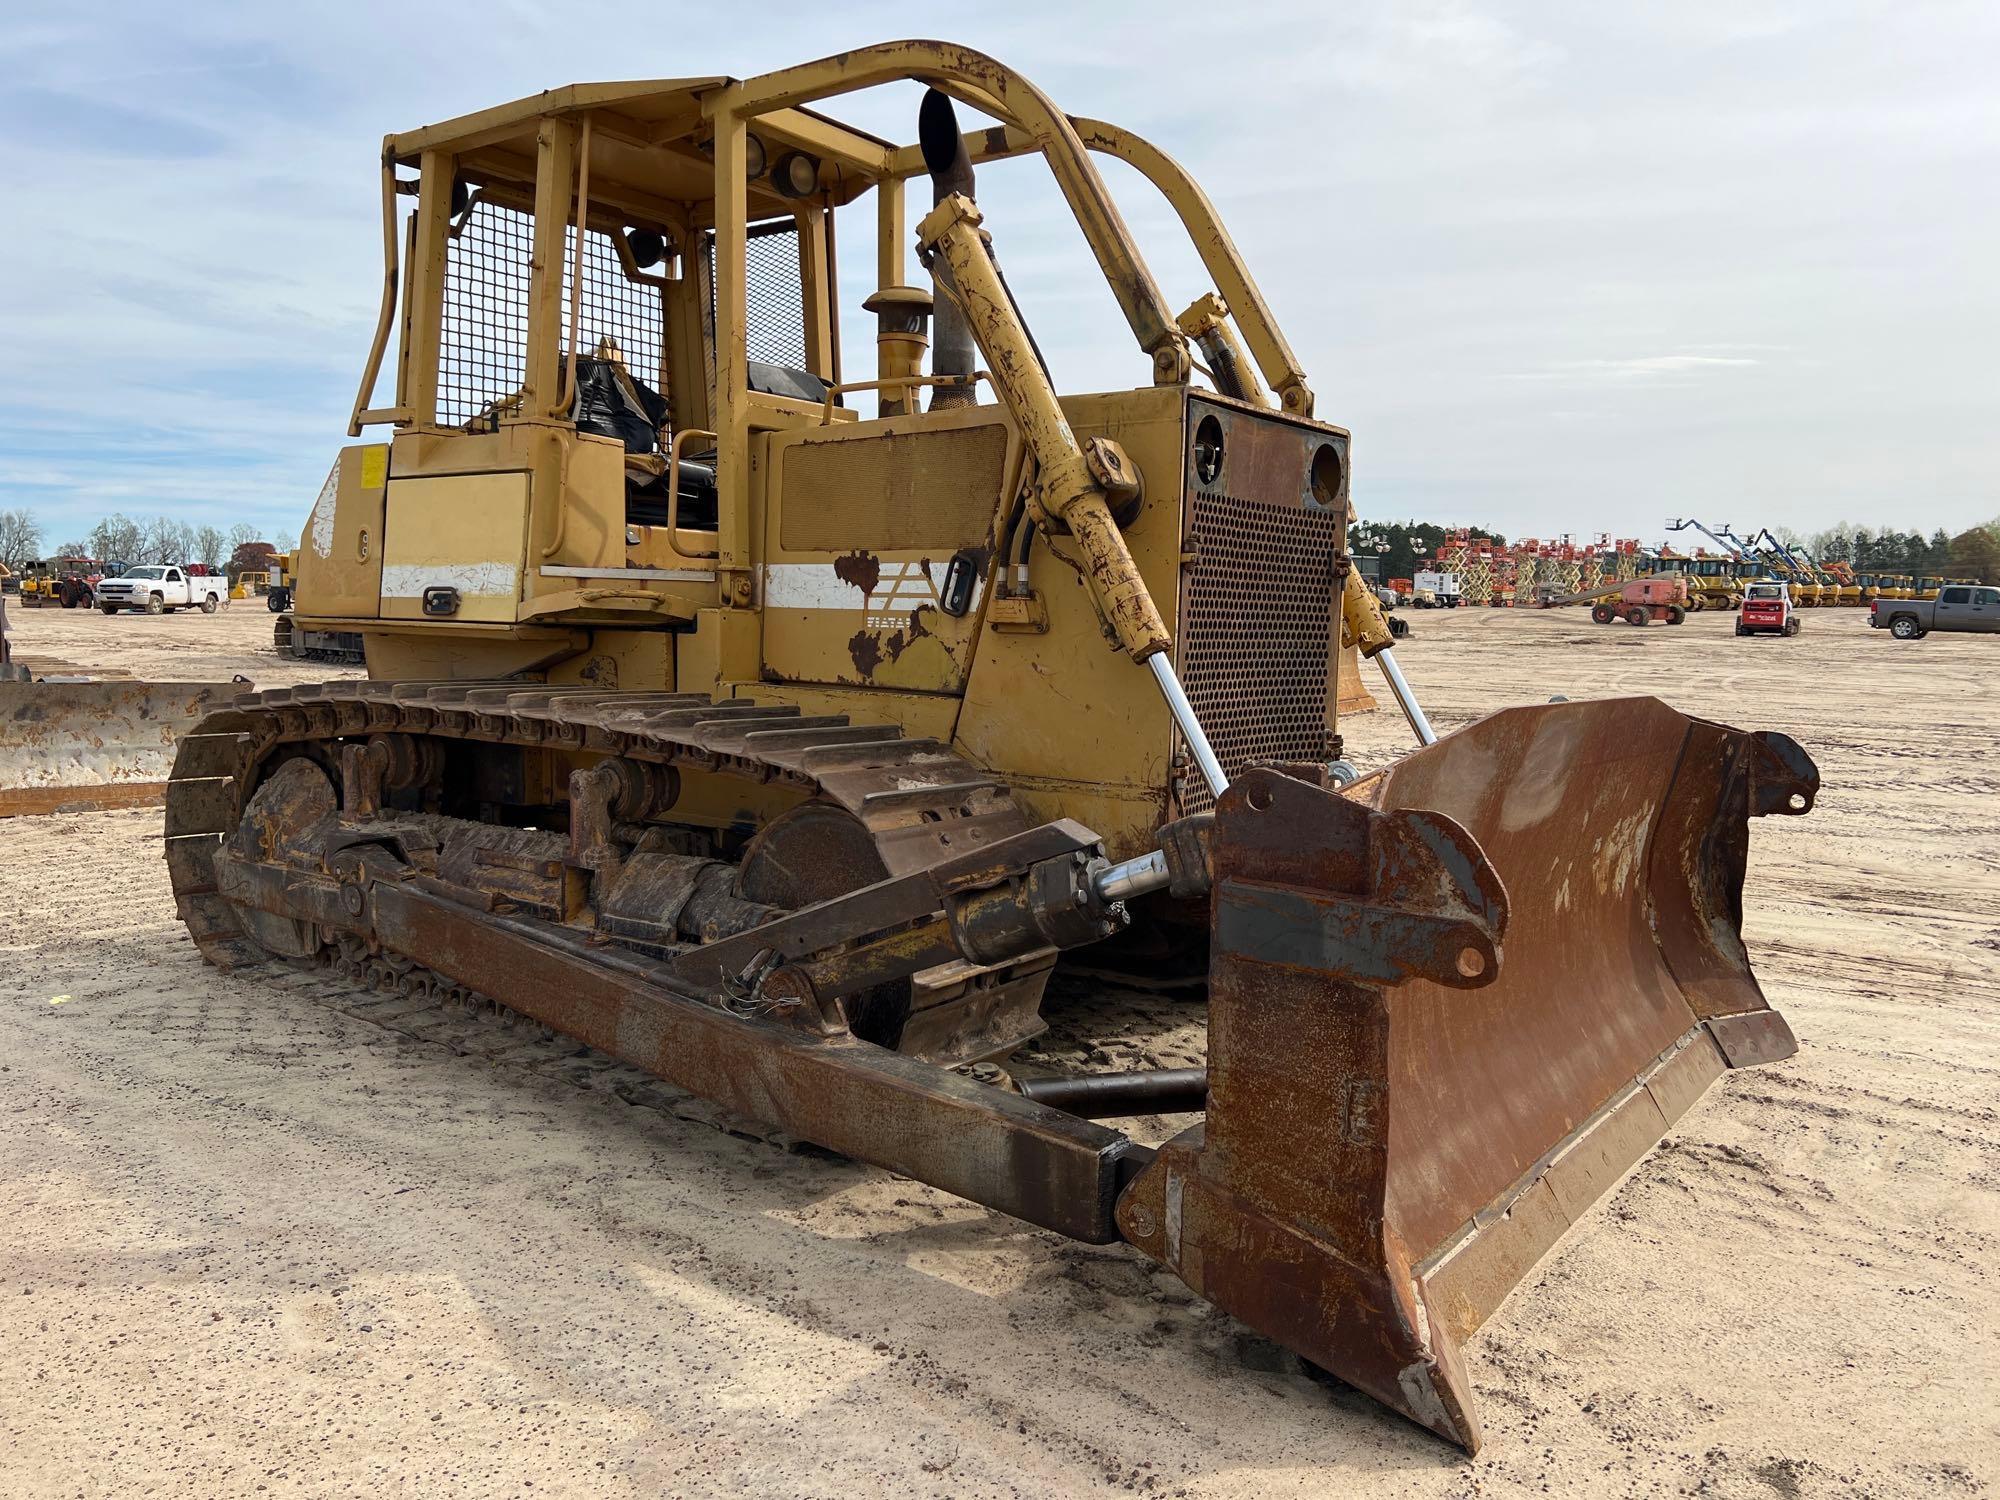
{"x":374,"y":466}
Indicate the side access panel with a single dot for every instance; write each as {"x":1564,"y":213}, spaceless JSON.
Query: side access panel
{"x":863,"y":520}
{"x":463,"y":531}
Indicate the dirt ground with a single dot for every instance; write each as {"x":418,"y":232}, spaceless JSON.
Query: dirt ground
{"x":256,"y":1245}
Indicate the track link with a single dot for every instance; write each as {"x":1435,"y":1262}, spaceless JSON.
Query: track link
{"x":919,"y":801}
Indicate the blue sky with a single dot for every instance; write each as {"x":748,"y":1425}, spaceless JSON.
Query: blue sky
{"x":1561,"y":268}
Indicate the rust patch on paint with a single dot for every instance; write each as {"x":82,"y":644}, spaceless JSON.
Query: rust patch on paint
{"x":866,"y":651}
{"x":862,"y":569}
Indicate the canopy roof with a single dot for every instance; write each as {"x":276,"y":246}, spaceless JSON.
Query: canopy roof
{"x":648,"y":143}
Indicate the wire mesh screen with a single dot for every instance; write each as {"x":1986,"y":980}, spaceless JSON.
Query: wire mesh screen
{"x":482,"y":357}
{"x":616,"y":307}
{"x":773,"y":297}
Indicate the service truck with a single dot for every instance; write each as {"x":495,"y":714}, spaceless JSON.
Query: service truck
{"x":161,"y":588}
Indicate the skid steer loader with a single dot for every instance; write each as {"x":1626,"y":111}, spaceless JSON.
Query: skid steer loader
{"x":780,"y":746}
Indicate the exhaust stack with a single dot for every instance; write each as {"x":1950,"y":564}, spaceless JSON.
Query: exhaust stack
{"x":953,"y":351}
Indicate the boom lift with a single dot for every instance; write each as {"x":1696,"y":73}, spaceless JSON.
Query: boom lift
{"x":1716,"y":583}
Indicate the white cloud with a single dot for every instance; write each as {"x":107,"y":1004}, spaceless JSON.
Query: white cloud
{"x":1557,"y":267}
{"x":1646,"y":367}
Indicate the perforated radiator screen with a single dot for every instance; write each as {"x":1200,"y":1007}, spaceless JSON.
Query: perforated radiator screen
{"x":1259,"y":611}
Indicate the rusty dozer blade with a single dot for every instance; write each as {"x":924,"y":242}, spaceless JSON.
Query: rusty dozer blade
{"x":1439,"y":1033}
{"x":79,"y":745}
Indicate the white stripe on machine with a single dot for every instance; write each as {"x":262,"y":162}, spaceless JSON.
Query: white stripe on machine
{"x":898,"y":586}
{"x":809,"y":586}
{"x":487,"y":580}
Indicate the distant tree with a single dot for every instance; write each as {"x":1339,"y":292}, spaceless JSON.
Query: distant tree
{"x":209,"y":547}
{"x":250,"y":557}
{"x":1937,"y":553}
{"x":117,"y":538}
{"x":1976,"y":553}
{"x":168,"y":540}
{"x":75,"y":549}
{"x":1401,"y":547}
{"x":242,"y":532}
{"x":20,"y":538}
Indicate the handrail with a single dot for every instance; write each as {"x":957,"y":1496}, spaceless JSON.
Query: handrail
{"x":1198,"y":216}
{"x":1218,"y":254}
{"x":896,"y":382}
{"x":386,"y":318}
{"x":674,"y":490}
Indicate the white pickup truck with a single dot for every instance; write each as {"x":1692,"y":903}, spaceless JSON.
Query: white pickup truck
{"x":161,"y":589}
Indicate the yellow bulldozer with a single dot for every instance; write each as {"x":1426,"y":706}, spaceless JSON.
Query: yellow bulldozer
{"x":279,"y":584}
{"x":778,"y":730}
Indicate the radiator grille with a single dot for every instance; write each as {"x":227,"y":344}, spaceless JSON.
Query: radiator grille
{"x":1256,"y":644}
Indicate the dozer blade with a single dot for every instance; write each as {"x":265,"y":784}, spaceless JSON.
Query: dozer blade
{"x":1438,"y":1034}
{"x":75,"y":746}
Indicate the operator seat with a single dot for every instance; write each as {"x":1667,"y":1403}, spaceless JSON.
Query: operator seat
{"x":612,"y":402}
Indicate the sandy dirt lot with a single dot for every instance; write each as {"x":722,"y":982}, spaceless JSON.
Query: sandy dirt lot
{"x":255,"y":1244}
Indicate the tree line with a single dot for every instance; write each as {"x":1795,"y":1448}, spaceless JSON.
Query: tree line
{"x":122,"y":538}
{"x":1973,"y":553}
{"x":1401,"y":547}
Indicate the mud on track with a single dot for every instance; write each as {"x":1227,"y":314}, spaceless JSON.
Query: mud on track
{"x":253,"y":1239}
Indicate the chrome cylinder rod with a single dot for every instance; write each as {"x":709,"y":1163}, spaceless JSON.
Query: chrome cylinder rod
{"x":1183,"y":712}
{"x":1134,"y":877}
{"x":1405,"y":699}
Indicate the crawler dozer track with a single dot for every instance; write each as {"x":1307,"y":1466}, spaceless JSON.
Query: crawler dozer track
{"x":867,"y":803}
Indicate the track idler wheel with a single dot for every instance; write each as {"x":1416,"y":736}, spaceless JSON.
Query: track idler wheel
{"x":276,"y":827}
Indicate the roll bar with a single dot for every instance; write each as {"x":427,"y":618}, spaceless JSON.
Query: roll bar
{"x":979,"y":81}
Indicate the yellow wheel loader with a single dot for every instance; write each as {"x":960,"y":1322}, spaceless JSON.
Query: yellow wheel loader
{"x":777,"y":729}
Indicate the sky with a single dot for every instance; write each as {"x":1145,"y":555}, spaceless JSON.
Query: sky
{"x":1561,"y":268}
